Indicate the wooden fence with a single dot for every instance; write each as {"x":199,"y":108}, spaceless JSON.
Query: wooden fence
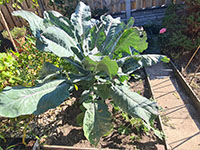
{"x":114,"y":6}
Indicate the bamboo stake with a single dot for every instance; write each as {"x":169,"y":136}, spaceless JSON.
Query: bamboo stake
{"x":195,"y":74}
{"x":192,"y":58}
{"x":6,"y":25}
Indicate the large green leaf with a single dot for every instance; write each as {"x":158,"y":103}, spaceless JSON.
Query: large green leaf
{"x":60,"y":43}
{"x":113,"y":30}
{"x":135,"y":62}
{"x":97,"y":121}
{"x":109,"y":66}
{"x":132,"y":38}
{"x":36,"y":23}
{"x":98,"y":36}
{"x":48,"y":69}
{"x":82,"y":22}
{"x":103,"y":91}
{"x":89,"y":64}
{"x":18,"y":101}
{"x":77,"y":65}
{"x":102,"y":64}
{"x":60,"y":21}
{"x":81,"y":18}
{"x":133,"y":103}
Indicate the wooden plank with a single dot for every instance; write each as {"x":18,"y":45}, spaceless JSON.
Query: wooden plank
{"x":47,"y":6}
{"x":158,"y":3}
{"x":101,"y":4}
{"x":113,"y":6}
{"x":117,"y":3}
{"x":123,"y":6}
{"x":133,"y":5}
{"x":138,"y":4}
{"x":26,"y":5}
{"x":10,"y":11}
{"x":1,"y":25}
{"x":29,"y":5}
{"x":128,"y":9}
{"x":153,"y":2}
{"x":7,"y":16}
{"x":91,"y":4}
{"x":18,"y":22}
{"x":167,"y":2}
{"x":58,"y":147}
{"x":108,"y":5}
{"x":143,"y":3}
{"x":148,"y":3}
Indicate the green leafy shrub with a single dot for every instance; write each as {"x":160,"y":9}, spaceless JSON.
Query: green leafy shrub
{"x":9,"y":73}
{"x":182,"y":23}
{"x":16,"y":32}
{"x":17,"y":3}
{"x":23,"y":68}
{"x":91,"y":47}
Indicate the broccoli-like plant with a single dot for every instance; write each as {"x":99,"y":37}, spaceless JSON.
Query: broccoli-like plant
{"x":100,"y":51}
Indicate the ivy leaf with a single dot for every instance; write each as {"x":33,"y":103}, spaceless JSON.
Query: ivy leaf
{"x":97,"y":121}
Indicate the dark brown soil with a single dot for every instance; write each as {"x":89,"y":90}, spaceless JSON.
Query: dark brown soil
{"x":59,"y":127}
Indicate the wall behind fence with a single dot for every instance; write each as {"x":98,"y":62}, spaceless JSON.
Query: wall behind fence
{"x":123,"y":8}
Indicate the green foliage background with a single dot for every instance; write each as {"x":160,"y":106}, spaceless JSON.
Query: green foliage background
{"x":23,"y":68}
{"x":183,"y":28}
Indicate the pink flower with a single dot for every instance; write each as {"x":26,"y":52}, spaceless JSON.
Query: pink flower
{"x":163,"y":30}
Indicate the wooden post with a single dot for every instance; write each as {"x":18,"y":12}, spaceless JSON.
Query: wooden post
{"x":6,"y":26}
{"x":128,"y":9}
{"x":192,"y":58}
{"x":195,"y":74}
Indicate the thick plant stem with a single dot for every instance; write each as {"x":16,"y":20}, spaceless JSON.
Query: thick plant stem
{"x":24,"y":131}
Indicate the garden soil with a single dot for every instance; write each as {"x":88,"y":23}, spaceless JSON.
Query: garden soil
{"x":59,"y":127}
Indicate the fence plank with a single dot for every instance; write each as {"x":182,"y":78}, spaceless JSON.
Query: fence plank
{"x":123,"y":6}
{"x":128,"y":9}
{"x":17,"y":20}
{"x":148,"y":3}
{"x":112,"y":5}
{"x":7,"y":16}
{"x":158,"y":3}
{"x":138,"y":4}
{"x":144,"y":4}
{"x":133,"y":4}
{"x":167,"y":2}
